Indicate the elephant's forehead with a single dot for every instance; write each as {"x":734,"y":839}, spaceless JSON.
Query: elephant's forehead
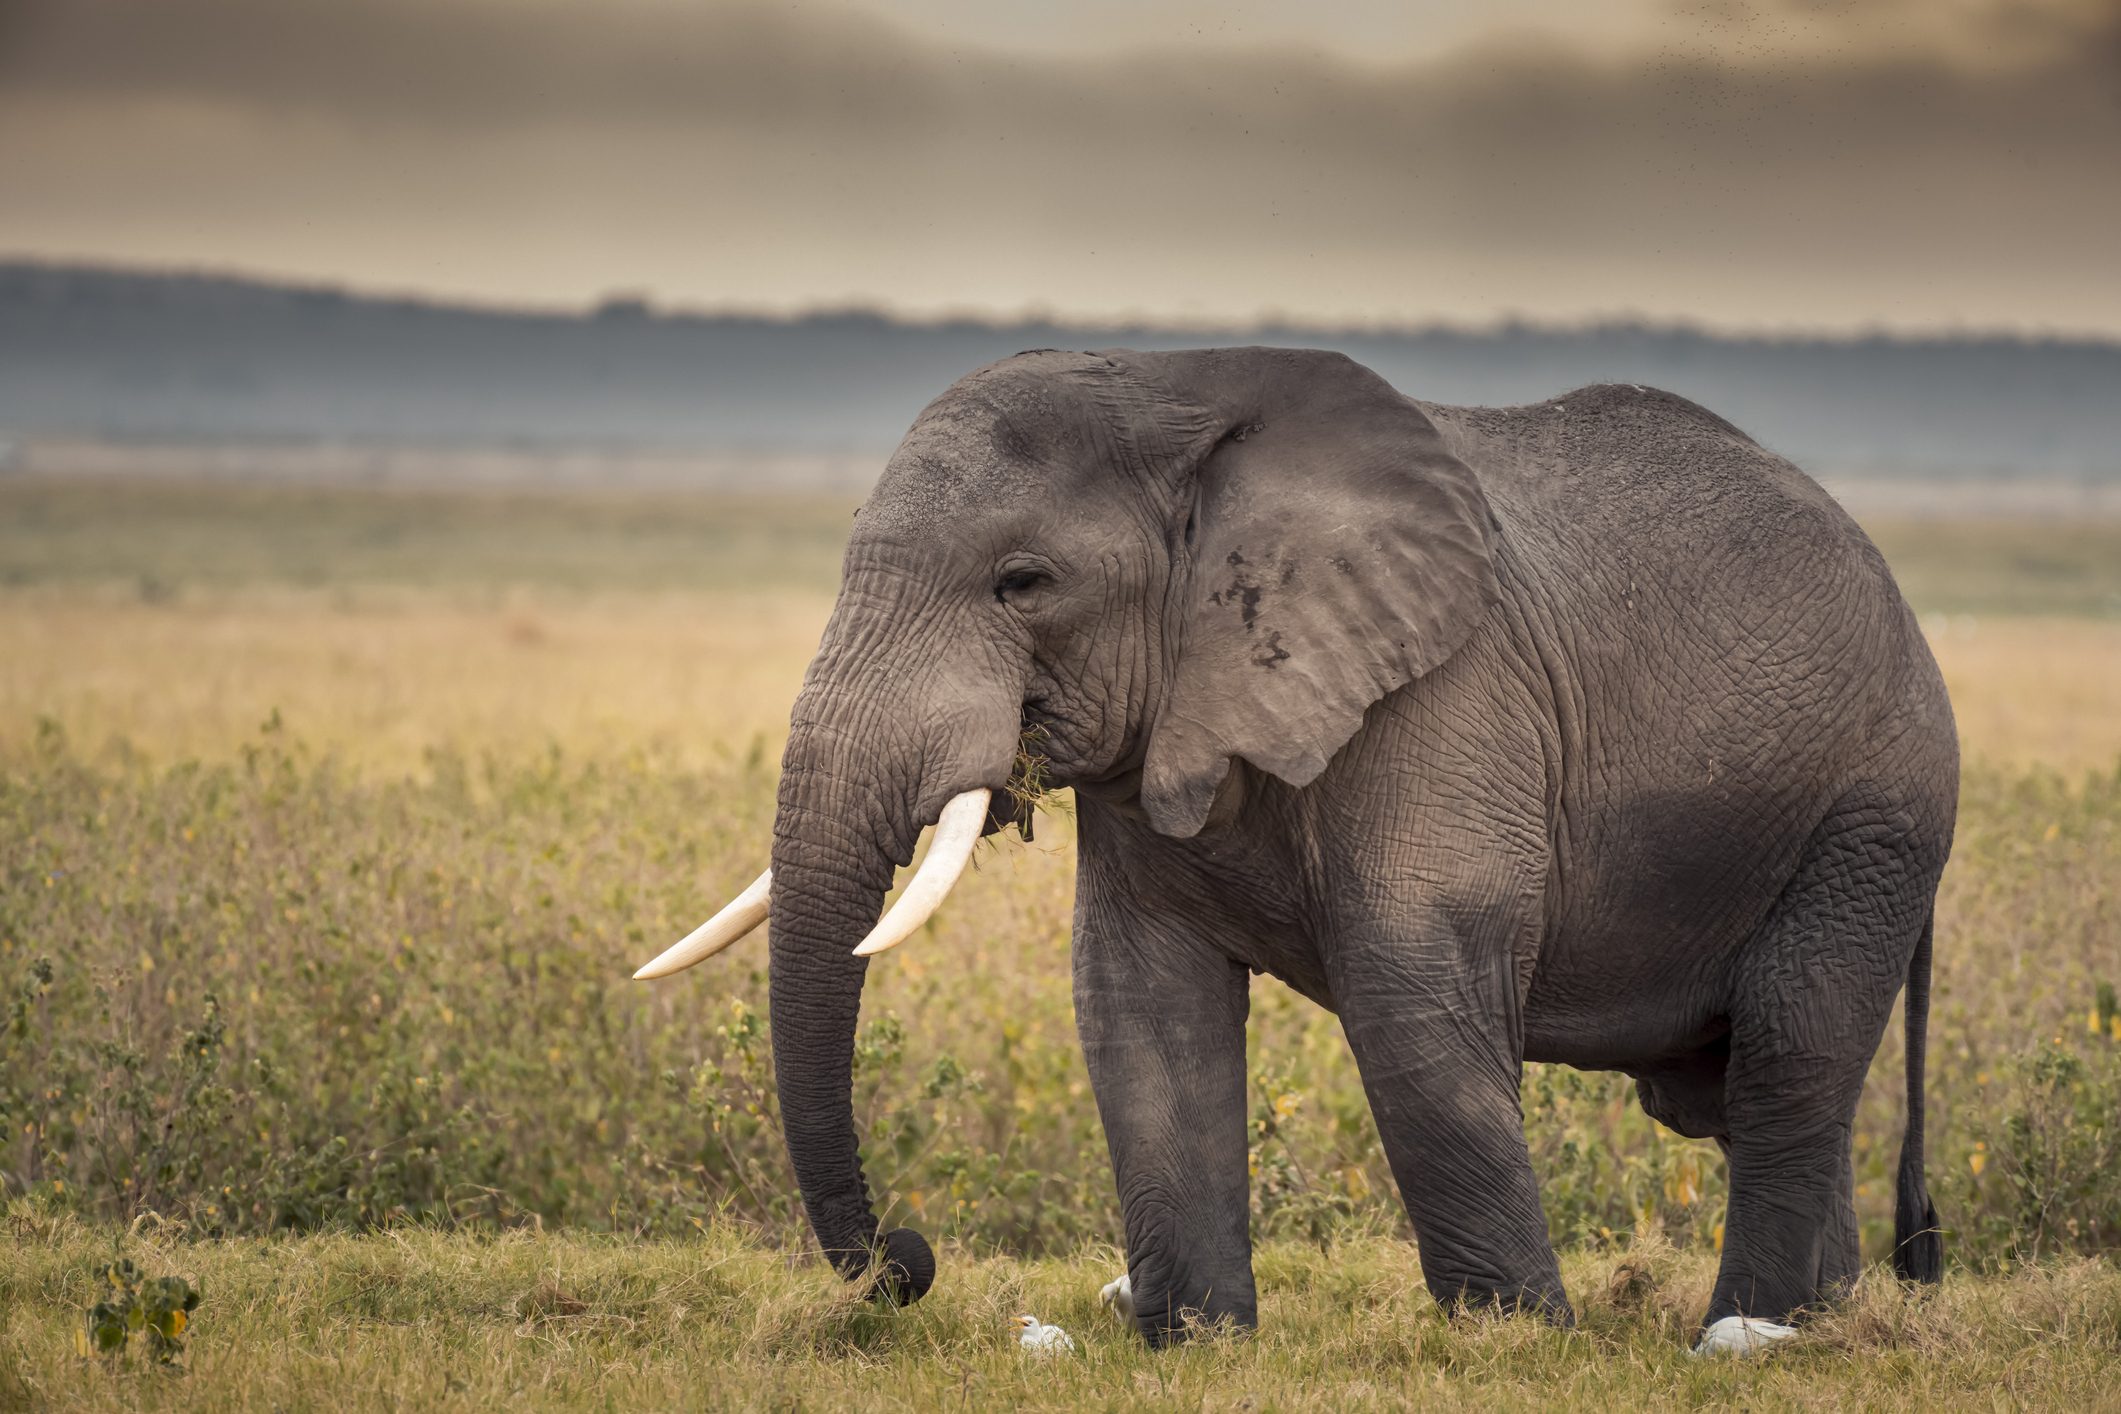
{"x":996,"y":438}
{"x":1011,"y":413}
{"x":926,"y":499}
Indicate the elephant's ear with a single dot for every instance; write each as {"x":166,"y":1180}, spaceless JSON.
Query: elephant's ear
{"x":1337,"y":550}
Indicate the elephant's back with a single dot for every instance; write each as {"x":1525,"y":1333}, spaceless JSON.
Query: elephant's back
{"x":1635,"y":462}
{"x":1631,"y":502}
{"x":1699,"y":574}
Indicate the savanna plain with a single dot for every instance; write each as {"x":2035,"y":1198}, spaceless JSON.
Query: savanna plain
{"x":333,"y":822}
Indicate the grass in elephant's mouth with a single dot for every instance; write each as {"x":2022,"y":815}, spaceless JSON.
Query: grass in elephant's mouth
{"x":1029,"y":788}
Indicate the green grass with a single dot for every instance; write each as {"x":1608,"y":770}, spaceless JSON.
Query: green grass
{"x":420,"y":1320}
{"x":163,"y":540}
{"x":2002,"y":566}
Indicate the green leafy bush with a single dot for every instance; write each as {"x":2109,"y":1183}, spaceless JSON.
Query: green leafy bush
{"x":132,"y":1307}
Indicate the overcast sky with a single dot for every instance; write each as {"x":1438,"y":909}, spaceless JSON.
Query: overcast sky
{"x":1813,"y":164}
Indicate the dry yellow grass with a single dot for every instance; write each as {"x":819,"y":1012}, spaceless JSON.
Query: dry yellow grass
{"x":2034,"y":691}
{"x":378,"y":676}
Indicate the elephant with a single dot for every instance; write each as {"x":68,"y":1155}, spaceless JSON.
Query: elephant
{"x":1587,"y":732}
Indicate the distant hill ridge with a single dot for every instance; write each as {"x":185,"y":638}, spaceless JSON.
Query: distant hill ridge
{"x":138,"y":356}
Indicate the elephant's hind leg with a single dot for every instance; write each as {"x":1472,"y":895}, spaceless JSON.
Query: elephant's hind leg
{"x":1812,"y":999}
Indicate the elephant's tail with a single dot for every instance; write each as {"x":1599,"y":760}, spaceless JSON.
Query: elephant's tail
{"x":1918,"y":1243}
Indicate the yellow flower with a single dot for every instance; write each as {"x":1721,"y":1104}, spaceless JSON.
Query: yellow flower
{"x":2091,"y":1021}
{"x":1978,"y":1160}
{"x":1683,"y":1184}
{"x":1285,"y":1104}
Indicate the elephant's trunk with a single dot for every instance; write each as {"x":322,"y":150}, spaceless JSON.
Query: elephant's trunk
{"x":868,"y":765}
{"x":833,"y":853}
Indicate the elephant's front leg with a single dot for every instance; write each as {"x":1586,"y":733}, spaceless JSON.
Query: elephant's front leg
{"x":1162,"y":1020}
{"x":1432,"y":1022}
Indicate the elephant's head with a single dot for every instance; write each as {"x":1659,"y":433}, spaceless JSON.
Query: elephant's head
{"x":1153,"y":564}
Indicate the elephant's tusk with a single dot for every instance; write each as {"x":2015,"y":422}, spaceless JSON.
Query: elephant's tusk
{"x":744,"y":913}
{"x":956,"y":832}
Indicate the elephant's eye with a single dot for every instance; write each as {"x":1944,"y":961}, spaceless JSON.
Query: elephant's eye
{"x":1018,"y":582}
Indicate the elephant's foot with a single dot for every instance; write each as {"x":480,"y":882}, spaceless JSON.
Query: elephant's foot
{"x":1174,"y":1325}
{"x":1790,"y":1238}
{"x":1540,"y":1296}
{"x":1741,"y":1335}
{"x":1174,"y":1304}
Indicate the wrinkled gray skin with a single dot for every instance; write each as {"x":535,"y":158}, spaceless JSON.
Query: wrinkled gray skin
{"x":1586,"y":732}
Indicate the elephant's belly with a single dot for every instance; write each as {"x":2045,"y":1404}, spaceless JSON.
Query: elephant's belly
{"x":1656,"y":901}
{"x":1644,"y":980}
{"x":1644,"y":1032}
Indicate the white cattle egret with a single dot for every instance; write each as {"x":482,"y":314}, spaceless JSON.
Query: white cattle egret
{"x":1038,"y":1338}
{"x":1741,"y":1335}
{"x":1118,"y":1297}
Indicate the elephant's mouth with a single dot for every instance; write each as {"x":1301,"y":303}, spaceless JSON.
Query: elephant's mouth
{"x":1061,"y":750}
{"x":1043,"y":742}
{"x":1070,"y":755}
